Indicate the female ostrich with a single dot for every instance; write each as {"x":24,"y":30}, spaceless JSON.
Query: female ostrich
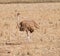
{"x":27,"y":25}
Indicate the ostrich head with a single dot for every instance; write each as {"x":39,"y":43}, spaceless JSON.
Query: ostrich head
{"x":18,"y":14}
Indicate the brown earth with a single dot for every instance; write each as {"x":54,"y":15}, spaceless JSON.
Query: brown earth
{"x":44,"y":41}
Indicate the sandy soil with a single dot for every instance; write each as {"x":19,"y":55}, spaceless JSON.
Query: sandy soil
{"x":44,"y":41}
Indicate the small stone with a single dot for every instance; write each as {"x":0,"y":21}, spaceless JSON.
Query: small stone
{"x":50,"y":22}
{"x":28,"y":53}
{"x":8,"y":52}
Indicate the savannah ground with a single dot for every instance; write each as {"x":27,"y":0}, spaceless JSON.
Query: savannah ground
{"x":45,"y":41}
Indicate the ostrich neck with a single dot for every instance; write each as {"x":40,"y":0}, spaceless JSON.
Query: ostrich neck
{"x":18,"y":21}
{"x":18,"y":18}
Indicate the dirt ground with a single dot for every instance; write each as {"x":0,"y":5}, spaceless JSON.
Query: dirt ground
{"x":44,"y":41}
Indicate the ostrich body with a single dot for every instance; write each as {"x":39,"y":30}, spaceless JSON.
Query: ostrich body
{"x":28,"y":26}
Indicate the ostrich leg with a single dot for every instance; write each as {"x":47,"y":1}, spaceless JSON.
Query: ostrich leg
{"x":28,"y":35}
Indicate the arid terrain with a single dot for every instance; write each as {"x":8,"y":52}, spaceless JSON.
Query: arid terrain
{"x":44,"y":41}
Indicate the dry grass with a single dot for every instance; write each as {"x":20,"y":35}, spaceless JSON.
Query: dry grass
{"x":44,"y":42}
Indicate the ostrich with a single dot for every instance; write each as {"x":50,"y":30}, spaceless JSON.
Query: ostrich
{"x":27,"y":25}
